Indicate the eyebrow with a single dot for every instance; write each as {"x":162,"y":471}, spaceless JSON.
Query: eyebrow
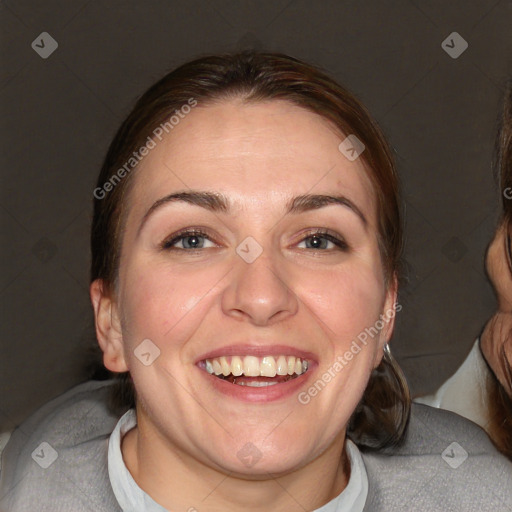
{"x":216,"y":202}
{"x":309,"y":202}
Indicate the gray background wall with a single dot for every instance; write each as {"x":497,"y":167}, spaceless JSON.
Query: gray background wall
{"x":59,"y":114}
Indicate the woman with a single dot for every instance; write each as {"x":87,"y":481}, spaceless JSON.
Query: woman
{"x":245,"y":250}
{"x":481,"y":389}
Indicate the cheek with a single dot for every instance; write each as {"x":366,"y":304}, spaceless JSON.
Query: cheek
{"x":163,"y":304}
{"x":346,"y":301}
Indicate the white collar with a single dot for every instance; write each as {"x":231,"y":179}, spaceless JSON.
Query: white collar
{"x":465,"y":392}
{"x":132,"y":498}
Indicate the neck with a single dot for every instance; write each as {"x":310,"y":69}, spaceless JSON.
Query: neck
{"x":178,"y":481}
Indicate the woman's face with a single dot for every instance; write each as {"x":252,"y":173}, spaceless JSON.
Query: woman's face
{"x":256,"y":281}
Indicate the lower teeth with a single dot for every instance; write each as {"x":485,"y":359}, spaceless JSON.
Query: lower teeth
{"x":244,"y":381}
{"x":254,"y":384}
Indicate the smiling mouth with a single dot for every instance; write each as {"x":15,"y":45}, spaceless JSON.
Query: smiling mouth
{"x":256,"y":371}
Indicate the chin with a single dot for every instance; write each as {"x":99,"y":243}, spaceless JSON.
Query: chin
{"x":264,"y":455}
{"x":252,"y":463}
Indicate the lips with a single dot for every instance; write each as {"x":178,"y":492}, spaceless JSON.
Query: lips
{"x":256,"y":372}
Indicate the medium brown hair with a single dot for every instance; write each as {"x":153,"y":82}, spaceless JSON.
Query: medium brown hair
{"x":499,"y":402}
{"x":381,"y":417}
{"x":499,"y":427}
{"x":503,"y":154}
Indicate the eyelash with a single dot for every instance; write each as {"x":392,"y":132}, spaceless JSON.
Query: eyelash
{"x":167,"y":244}
{"x":330,"y":236}
{"x":317,"y":233}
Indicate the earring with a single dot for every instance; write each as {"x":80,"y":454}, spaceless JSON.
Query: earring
{"x":397,"y":371}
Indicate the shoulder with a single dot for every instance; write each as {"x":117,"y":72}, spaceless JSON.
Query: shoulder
{"x":58,"y":456}
{"x":465,"y":392}
{"x":446,"y":463}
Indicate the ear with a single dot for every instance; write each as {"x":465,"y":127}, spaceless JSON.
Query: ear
{"x":108,"y":327}
{"x":389,"y":311}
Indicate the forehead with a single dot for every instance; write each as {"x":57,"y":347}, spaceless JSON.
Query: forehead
{"x":254,"y":153}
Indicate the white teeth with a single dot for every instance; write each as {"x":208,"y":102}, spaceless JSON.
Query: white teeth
{"x":256,"y":384}
{"x":282,"y":366}
{"x":251,"y":366}
{"x":236,"y":366}
{"x":291,"y":365}
{"x":217,"y":368}
{"x":268,"y":367}
{"x":226,"y":369}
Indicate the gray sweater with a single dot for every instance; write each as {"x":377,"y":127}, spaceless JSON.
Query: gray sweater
{"x":430,"y":472}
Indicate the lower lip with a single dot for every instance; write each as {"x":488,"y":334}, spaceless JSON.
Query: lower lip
{"x":270,"y":393}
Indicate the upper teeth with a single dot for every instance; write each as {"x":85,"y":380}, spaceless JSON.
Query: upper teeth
{"x":251,"y":366}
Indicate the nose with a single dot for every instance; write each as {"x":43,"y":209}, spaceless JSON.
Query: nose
{"x":258,"y":292}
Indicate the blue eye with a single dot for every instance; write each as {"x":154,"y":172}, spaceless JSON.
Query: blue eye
{"x":323,"y":241}
{"x":189,"y":240}
{"x":193,"y":239}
